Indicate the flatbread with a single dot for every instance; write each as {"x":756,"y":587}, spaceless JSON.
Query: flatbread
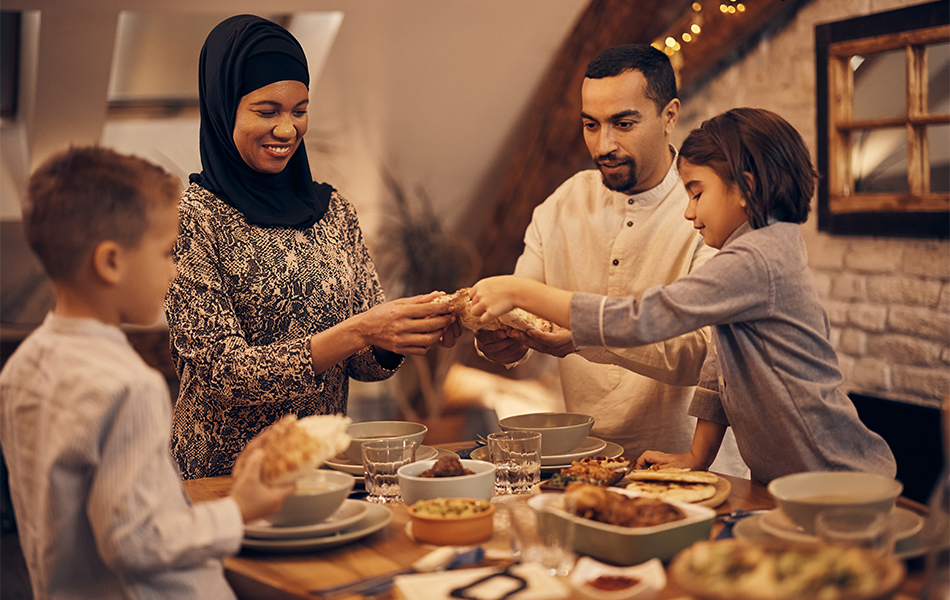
{"x":673,"y":491}
{"x":681,"y":475}
{"x":294,"y":447}
{"x":517,"y":318}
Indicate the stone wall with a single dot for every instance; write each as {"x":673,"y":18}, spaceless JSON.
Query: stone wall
{"x":888,"y":299}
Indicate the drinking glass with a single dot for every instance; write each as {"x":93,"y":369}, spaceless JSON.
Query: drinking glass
{"x":539,"y":536}
{"x":517,"y":459}
{"x":381,"y":460}
{"x":861,"y":527}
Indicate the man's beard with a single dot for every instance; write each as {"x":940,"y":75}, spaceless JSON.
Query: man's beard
{"x":622,"y":181}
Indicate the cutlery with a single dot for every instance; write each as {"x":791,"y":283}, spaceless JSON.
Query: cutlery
{"x":730,"y":519}
{"x":441,"y":559}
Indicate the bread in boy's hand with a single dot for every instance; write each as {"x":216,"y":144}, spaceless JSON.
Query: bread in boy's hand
{"x":461,"y":304}
{"x":293,"y":447}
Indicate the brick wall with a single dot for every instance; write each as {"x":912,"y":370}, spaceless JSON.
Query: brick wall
{"x":888,"y":299}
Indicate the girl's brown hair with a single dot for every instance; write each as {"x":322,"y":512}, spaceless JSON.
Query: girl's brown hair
{"x":763,"y":145}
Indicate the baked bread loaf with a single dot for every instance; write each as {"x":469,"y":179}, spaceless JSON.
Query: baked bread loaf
{"x":294,"y":447}
{"x":517,"y":318}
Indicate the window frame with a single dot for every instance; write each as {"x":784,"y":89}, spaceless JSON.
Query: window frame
{"x":918,"y":212}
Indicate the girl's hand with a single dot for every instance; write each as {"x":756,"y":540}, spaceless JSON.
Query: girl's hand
{"x":669,"y":461}
{"x":492,"y":297}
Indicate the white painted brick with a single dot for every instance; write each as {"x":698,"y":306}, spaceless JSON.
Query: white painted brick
{"x":930,"y":259}
{"x":848,"y":286}
{"x":922,"y":382}
{"x":904,"y":350}
{"x":873,"y":256}
{"x":868,"y":317}
{"x":943,"y":305}
{"x":895,"y":289}
{"x":823,"y":284}
{"x":872,"y":372}
{"x":853,"y":342}
{"x":921,"y":322}
{"x":834,"y":338}
{"x":945,"y":355}
{"x":846,"y":365}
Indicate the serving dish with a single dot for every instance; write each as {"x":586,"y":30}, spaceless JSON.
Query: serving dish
{"x":802,"y":496}
{"x":319,"y":494}
{"x":650,"y":575}
{"x":480,"y":485}
{"x":377,"y":517}
{"x":371,"y":431}
{"x":350,"y":512}
{"x":561,"y":432}
{"x":737,"y":570}
{"x":628,"y":545}
{"x":452,"y":530}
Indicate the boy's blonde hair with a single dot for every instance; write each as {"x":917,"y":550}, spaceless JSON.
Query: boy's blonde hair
{"x":81,"y":197}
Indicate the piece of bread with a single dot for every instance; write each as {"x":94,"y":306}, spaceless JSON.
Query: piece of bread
{"x":676,"y":491}
{"x":517,"y":318}
{"x":682,"y":475}
{"x":294,"y":447}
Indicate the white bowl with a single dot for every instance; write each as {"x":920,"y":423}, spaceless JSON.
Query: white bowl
{"x":803,"y":495}
{"x":371,"y":431}
{"x":318,"y":496}
{"x":560,"y":432}
{"x":651,"y":577}
{"x":479,"y":486}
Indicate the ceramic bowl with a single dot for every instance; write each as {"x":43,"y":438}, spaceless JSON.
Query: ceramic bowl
{"x":479,"y":486}
{"x":452,"y":530}
{"x":626,"y":546}
{"x":560,"y":432}
{"x":371,"y":431}
{"x":650,"y":578}
{"x":803,"y":495}
{"x":318,"y":496}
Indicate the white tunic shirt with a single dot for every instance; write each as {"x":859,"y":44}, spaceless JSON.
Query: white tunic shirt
{"x":100,"y":507}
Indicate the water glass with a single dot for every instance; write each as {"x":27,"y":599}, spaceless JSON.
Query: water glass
{"x":517,"y":459}
{"x":381,"y":460}
{"x":539,"y":536}
{"x":861,"y":527}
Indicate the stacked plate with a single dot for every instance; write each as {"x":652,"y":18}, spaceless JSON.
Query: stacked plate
{"x":553,"y":463}
{"x":355,"y":519}
{"x":341,"y":463}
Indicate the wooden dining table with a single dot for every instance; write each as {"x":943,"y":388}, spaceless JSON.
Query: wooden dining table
{"x":260,"y":576}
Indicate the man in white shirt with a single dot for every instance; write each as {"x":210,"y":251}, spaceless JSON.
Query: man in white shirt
{"x":619,"y":232}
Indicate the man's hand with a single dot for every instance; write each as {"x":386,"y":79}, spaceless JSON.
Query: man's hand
{"x":498,"y":346}
{"x":558,"y":343}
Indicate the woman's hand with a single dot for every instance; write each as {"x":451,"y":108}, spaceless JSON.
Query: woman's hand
{"x":409,"y":325}
{"x":255,"y":498}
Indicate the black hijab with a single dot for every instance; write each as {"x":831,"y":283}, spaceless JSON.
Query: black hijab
{"x":287,"y":199}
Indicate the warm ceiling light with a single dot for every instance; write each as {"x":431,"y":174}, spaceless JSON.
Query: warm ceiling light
{"x":732,"y":10}
{"x":697,"y":6}
{"x":695,"y":29}
{"x":740,"y":7}
{"x":668,"y":51}
{"x":670,"y":42}
{"x":657,"y":45}
{"x":676,"y":46}
{"x":723,"y":8}
{"x":687,"y":37}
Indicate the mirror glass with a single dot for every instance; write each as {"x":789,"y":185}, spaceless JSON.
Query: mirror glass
{"x":879,"y":160}
{"x":879,"y":85}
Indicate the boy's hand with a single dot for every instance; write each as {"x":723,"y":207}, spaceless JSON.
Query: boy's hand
{"x":255,"y":498}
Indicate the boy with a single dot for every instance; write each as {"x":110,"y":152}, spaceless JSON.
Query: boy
{"x":84,"y":422}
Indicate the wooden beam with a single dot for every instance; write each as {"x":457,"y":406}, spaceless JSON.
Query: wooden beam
{"x":551,"y":147}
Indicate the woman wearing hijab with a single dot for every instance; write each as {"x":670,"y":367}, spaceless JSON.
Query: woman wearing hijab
{"x":277,"y":303}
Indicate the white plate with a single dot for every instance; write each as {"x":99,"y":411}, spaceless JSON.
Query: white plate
{"x":342,"y":463}
{"x":349,"y":513}
{"x":906,"y":524}
{"x":610,"y":450}
{"x":589,"y":447}
{"x":376,"y":517}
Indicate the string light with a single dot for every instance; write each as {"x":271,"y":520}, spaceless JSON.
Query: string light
{"x":687,"y":37}
{"x":695,"y":28}
{"x":671,"y":46}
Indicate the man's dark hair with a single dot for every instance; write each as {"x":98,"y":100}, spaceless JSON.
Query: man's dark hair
{"x":655,"y":66}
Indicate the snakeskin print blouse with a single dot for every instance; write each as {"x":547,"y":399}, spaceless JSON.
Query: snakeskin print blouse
{"x":241,"y":312}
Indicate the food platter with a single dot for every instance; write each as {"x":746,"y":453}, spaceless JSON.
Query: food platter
{"x":376,"y":517}
{"x":349,"y":513}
